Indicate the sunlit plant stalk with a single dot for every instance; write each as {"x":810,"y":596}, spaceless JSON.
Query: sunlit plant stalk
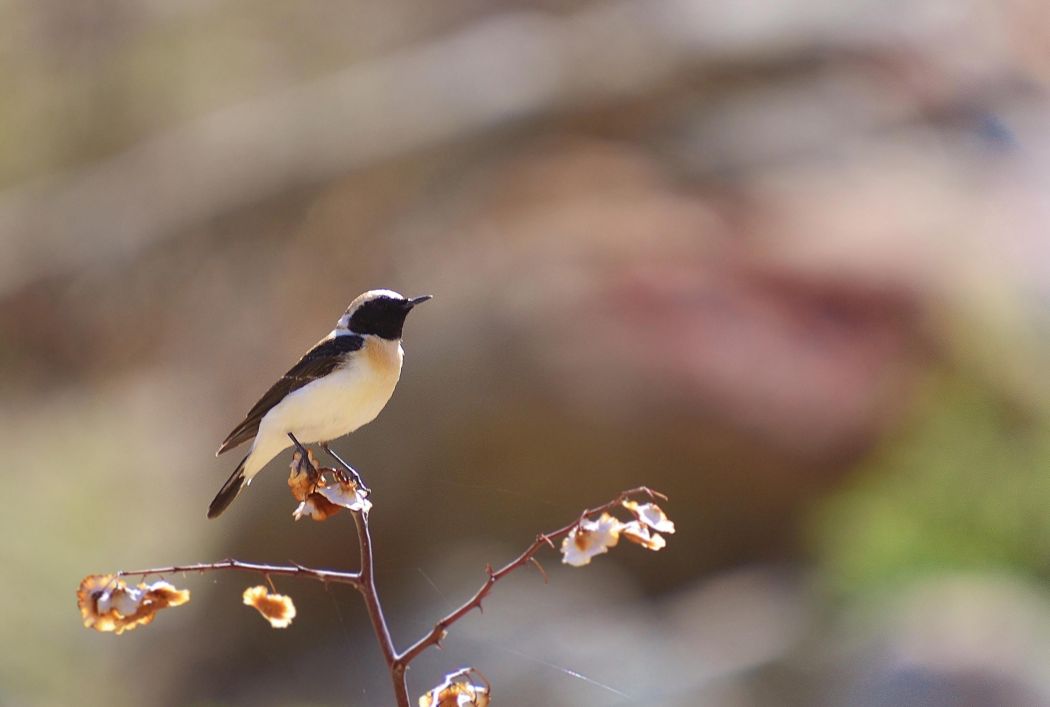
{"x":107,"y":603}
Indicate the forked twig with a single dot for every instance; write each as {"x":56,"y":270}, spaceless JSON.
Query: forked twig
{"x":434,"y":636}
{"x":364,"y":581}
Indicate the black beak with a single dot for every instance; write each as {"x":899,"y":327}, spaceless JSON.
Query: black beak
{"x":418,"y":300}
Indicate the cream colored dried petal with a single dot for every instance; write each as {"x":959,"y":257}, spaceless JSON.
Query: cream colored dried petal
{"x":640,"y":534}
{"x":125,"y":601}
{"x":347,"y":495}
{"x":305,"y":508}
{"x":275,"y":608}
{"x":651,"y":515}
{"x":590,"y":538}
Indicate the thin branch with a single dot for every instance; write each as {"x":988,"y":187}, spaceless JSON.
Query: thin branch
{"x":352,"y":578}
{"x":364,"y":582}
{"x":437,"y":633}
{"x":367,"y":587}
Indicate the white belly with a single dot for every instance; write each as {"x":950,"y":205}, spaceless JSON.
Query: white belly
{"x":328,"y":408}
{"x":333,"y":406}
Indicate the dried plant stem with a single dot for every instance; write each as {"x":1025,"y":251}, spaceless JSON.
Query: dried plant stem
{"x":334,"y":576}
{"x":367,"y":587}
{"x":437,"y":633}
{"x":364,"y":581}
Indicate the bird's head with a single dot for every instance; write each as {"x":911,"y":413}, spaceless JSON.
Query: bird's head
{"x":379,"y":312}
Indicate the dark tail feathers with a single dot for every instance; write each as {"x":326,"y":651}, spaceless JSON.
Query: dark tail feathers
{"x":229,"y":491}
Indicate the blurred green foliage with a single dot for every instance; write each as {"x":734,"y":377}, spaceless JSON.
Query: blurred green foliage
{"x":964,"y":485}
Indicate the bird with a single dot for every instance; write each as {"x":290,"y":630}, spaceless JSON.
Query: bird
{"x":342,"y":383}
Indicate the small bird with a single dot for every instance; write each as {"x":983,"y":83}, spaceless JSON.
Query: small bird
{"x":340,"y":384}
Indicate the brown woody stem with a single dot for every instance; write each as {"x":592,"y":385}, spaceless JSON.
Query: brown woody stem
{"x":367,"y":587}
{"x":335,"y":576}
{"x":437,"y":633}
{"x":364,"y":582}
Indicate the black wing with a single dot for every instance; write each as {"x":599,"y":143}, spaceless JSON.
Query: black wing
{"x":319,"y":361}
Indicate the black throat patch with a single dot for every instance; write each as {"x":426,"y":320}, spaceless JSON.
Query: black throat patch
{"x":383,"y":316}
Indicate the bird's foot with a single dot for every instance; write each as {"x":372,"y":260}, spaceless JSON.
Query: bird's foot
{"x":306,"y":460}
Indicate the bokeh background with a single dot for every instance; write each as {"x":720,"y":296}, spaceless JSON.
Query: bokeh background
{"x":786,"y":262}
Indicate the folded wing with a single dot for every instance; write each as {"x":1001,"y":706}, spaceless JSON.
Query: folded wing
{"x":322,"y":359}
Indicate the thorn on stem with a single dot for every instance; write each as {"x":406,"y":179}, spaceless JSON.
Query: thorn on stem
{"x":533,"y":560}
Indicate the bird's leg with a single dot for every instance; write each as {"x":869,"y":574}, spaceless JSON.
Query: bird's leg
{"x":349,"y":469}
{"x":314,"y":471}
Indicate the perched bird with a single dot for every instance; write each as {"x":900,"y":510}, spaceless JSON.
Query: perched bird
{"x":340,"y":384}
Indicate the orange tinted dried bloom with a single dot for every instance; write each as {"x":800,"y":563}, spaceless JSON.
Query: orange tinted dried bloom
{"x":317,"y":507}
{"x":458,"y":690}
{"x":320,"y":500}
{"x":302,"y":480}
{"x":162,"y":592}
{"x":275,"y":608}
{"x":109,"y":604}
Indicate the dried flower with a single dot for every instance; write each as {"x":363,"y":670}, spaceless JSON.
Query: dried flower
{"x":107,"y":603}
{"x":315,"y":506}
{"x":651,"y":515}
{"x":303,"y":476}
{"x":275,"y":608}
{"x":346,"y":494}
{"x":590,"y":538}
{"x":640,"y":534}
{"x":320,"y":499}
{"x":458,"y":690}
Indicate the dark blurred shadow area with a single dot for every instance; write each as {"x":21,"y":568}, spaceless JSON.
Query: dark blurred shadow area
{"x":786,"y":263}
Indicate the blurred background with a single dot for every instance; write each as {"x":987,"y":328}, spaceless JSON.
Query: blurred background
{"x":786,"y":262}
